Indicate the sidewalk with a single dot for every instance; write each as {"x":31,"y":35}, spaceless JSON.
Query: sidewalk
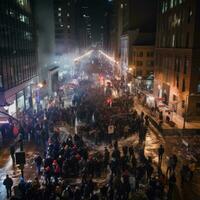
{"x":190,"y":127}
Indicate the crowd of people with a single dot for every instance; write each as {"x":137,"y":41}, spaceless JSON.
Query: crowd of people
{"x":72,"y":170}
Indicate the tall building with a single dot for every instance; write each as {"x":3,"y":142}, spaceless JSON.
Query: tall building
{"x":143,"y":52}
{"x":18,"y":55}
{"x":108,"y":26}
{"x":137,"y":22}
{"x":65,"y":25}
{"x":83,"y":25}
{"x":177,"y":71}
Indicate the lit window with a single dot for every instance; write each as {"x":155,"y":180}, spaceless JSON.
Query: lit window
{"x":122,"y":5}
{"x":68,"y":26}
{"x":171,"y":3}
{"x":21,"y":2}
{"x":28,"y":36}
{"x":59,"y":9}
{"x":59,"y":14}
{"x":23,"y":18}
{"x":178,"y":21}
{"x":61,"y":25}
{"x":67,"y":14}
{"x":198,"y":88}
{"x":173,"y":40}
{"x":12,"y":14}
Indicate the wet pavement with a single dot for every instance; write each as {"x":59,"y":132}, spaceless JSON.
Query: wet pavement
{"x":172,"y":144}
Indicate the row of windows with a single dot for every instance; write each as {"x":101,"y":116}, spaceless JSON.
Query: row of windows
{"x":140,"y":72}
{"x":168,"y":4}
{"x":141,"y":54}
{"x":175,"y":40}
{"x":183,"y":16}
{"x":148,"y":63}
{"x":17,"y":44}
{"x":17,"y":69}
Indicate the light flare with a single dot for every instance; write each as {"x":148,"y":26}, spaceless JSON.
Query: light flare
{"x":84,"y":55}
{"x":108,"y":57}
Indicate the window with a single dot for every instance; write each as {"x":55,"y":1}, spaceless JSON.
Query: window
{"x":174,"y":97}
{"x":59,"y":14}
{"x":150,"y":63}
{"x":139,"y":63}
{"x":68,"y":15}
{"x":189,"y":15}
{"x":183,"y":85}
{"x":173,"y":40}
{"x":177,"y":81}
{"x":59,"y":9}
{"x":183,"y":104}
{"x":172,"y":4}
{"x":187,"y":40}
{"x":185,"y":65}
{"x":198,"y":88}
{"x":140,"y":54}
{"x":1,"y":81}
{"x":24,"y":19}
{"x":22,"y":2}
{"x":28,"y":36}
{"x":150,"y":54}
{"x":198,"y":107}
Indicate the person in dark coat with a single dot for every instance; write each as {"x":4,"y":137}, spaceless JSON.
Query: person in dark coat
{"x":8,"y":182}
{"x":12,"y":153}
{"x":160,"y":154}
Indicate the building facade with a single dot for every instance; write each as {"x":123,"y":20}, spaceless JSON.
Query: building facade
{"x":177,"y":72}
{"x":143,"y":66}
{"x":135,"y":19}
{"x":83,"y":23}
{"x":18,"y":55}
{"x":64,"y":18}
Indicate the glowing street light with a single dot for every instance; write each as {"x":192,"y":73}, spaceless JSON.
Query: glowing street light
{"x":84,"y":55}
{"x":108,"y":57}
{"x":40,"y":85}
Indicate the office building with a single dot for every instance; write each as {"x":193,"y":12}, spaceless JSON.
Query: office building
{"x":177,"y":71}
{"x":18,"y":55}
